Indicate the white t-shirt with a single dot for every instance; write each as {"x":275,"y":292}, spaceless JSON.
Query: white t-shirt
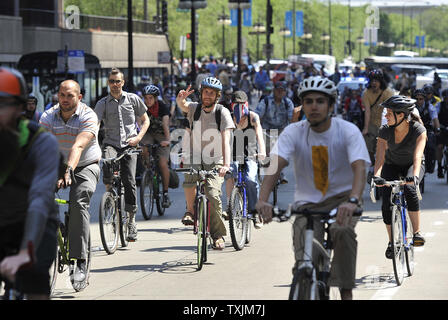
{"x":322,"y":161}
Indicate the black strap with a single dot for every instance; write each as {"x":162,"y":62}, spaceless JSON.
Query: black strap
{"x":197,"y":115}
{"x":377,"y":99}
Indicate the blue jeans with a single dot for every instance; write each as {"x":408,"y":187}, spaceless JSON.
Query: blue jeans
{"x":252,"y":186}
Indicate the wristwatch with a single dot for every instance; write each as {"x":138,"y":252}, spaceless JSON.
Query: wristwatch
{"x":69,"y":168}
{"x":353,"y":200}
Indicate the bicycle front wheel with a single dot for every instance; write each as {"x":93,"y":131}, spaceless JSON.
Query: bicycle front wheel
{"x":147,"y":195}
{"x":54,"y":271}
{"x":108,"y":222}
{"x":302,"y":287}
{"x":202,"y":231}
{"x":409,"y":246}
{"x":237,"y":221}
{"x":398,"y":259}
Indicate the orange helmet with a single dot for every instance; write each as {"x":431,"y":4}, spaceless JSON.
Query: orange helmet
{"x":12,"y":84}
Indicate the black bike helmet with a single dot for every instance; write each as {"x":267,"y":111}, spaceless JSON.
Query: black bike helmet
{"x":151,"y":89}
{"x":399,"y":104}
{"x":418,"y":92}
{"x":378,"y":75}
{"x":427,"y":88}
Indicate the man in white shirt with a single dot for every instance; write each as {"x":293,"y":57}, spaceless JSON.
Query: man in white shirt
{"x":330,"y":158}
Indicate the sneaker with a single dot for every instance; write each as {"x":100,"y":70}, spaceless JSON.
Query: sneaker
{"x":225,"y":214}
{"x":418,"y":240}
{"x":257,"y":221}
{"x":80,"y":270}
{"x":166,"y":201}
{"x":389,"y":251}
{"x":132,"y":231}
{"x":283,"y":179}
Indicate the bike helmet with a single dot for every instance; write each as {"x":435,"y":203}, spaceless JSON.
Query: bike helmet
{"x":318,"y":84}
{"x":12,"y":84}
{"x":376,"y":75}
{"x":211,"y":82}
{"x":399,"y":104}
{"x":418,"y":92}
{"x":427,"y":88}
{"x":151,"y":89}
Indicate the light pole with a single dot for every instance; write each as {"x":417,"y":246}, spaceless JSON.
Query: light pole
{"x":224,"y":20}
{"x":284,"y":32}
{"x":258,"y":29}
{"x":360,"y":40}
{"x":307,"y":36}
{"x":324,"y":37}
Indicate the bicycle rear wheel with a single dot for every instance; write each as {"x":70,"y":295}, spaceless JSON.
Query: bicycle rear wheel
{"x":302,"y":286}
{"x":202,"y":231}
{"x":147,"y":195}
{"x":108,"y":222}
{"x":159,"y":196}
{"x":237,"y":222}
{"x":409,"y":247}
{"x":398,"y":259}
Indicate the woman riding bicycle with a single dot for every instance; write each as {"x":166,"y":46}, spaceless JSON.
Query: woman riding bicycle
{"x":399,"y":153}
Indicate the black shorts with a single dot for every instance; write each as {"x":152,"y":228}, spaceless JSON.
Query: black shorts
{"x":442,"y":138}
{"x":36,"y":279}
{"x":393,"y":172}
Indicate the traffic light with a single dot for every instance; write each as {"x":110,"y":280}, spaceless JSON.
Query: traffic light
{"x":164,"y":16}
{"x":188,"y":36}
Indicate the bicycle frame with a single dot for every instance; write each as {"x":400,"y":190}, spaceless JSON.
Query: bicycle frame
{"x":241,"y":184}
{"x":398,"y":199}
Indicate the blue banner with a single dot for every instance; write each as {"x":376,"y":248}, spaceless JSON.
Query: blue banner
{"x":288,"y":22}
{"x":246,"y":15}
{"x":420,"y":41}
{"x":299,"y":23}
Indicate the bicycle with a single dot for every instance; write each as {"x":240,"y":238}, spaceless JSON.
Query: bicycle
{"x":63,"y":259}
{"x":401,"y":230}
{"x":151,"y":184}
{"x":310,"y":280}
{"x":445,"y":162}
{"x":201,"y":227}
{"x":113,"y":218}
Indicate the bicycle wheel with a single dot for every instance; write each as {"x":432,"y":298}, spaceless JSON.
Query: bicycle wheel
{"x":237,"y":222}
{"x":124,"y":222}
{"x":249,"y":230}
{"x":445,"y":163}
{"x":54,"y":271}
{"x":398,"y":259}
{"x":108,"y":222}
{"x":147,"y":195}
{"x":202,"y":231}
{"x":302,"y":286}
{"x":409,"y":247}
{"x":158,"y":192}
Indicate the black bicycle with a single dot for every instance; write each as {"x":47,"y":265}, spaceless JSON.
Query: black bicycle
{"x":113,"y":218}
{"x":310,"y":281}
{"x":151,"y":185}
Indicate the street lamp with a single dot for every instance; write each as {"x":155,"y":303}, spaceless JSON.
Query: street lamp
{"x":259,"y":28}
{"x":324,"y":37}
{"x":360,"y":40}
{"x":307,"y":36}
{"x":284,"y":32}
{"x":224,"y":20}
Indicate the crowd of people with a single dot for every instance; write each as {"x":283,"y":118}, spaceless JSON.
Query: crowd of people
{"x":274,"y":123}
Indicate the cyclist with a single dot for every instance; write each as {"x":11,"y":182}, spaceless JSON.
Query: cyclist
{"x":275,"y":112}
{"x":442,"y":138}
{"x":120,"y":110}
{"x":354,"y":109}
{"x":428,"y":114}
{"x":430,"y":96}
{"x":30,"y":110}
{"x":247,"y":134}
{"x":376,"y":93}
{"x":75,"y":125}
{"x":329,"y":173}
{"x":400,"y":153}
{"x":158,"y":132}
{"x":205,"y":154}
{"x":28,"y":174}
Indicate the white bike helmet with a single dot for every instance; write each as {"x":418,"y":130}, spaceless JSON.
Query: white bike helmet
{"x":318,"y":84}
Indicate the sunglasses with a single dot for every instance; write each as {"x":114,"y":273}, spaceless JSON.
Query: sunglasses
{"x":112,"y":81}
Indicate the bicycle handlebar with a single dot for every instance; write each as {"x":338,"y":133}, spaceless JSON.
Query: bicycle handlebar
{"x":282,"y":215}
{"x":196,"y":171}
{"x":392,"y":184}
{"x":129,"y":151}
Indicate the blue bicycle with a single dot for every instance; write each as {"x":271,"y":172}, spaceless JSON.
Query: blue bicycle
{"x":239,"y":217}
{"x":401,"y":229}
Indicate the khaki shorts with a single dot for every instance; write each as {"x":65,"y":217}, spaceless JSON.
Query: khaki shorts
{"x":163,"y":152}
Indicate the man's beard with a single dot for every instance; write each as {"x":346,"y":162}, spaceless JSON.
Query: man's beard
{"x":9,"y":144}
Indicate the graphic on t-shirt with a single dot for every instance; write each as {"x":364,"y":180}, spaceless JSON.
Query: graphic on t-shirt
{"x":320,"y":167}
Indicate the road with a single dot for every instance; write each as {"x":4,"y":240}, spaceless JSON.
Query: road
{"x":161,"y":264}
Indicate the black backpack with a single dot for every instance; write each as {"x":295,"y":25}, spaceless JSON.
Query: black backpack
{"x":197,"y":115}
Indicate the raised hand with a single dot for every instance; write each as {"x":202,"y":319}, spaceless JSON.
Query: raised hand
{"x":183,"y":94}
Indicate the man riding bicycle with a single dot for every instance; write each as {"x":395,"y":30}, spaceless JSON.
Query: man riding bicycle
{"x":28,"y":174}
{"x":442,"y":137}
{"x":120,"y":110}
{"x":205,"y":125}
{"x":330,"y":157}
{"x":158,"y":132}
{"x":75,"y":125}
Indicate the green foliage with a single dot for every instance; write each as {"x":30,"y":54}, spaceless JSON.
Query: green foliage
{"x":393,"y":28}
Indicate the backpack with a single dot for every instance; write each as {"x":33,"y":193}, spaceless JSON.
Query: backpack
{"x":197,"y":115}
